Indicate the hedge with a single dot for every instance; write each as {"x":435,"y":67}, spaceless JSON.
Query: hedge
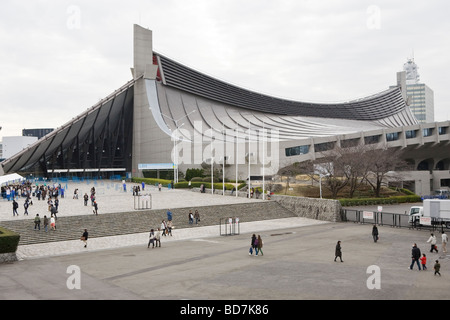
{"x":9,"y":240}
{"x":197,"y":184}
{"x":375,"y":201}
{"x":152,"y":181}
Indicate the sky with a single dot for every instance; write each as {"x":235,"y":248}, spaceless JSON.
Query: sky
{"x":59,"y":58}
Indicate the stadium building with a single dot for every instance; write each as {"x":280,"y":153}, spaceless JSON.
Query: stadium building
{"x":172,"y":117}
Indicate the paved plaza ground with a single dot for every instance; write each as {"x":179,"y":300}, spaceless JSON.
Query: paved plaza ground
{"x":199,"y":264}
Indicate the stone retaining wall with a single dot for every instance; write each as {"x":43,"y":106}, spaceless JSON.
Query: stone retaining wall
{"x":319,"y":209}
{"x":8,"y":257}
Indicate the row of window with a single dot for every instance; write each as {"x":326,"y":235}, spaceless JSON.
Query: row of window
{"x":393,"y":136}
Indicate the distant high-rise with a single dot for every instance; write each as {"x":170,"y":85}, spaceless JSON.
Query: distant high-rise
{"x":420,"y":96}
{"x":38,"y":133}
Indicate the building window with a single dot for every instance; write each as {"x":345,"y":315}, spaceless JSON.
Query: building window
{"x":296,"y":151}
{"x":321,"y":147}
{"x":393,"y":136}
{"x":410,"y":134}
{"x":442,"y":130}
{"x":371,"y":139}
{"x":427,"y":132}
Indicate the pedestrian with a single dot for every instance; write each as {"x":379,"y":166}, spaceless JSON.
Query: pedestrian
{"x":163,"y":228}
{"x":259,"y":245}
{"x":37,"y":222}
{"x":433,"y":241}
{"x":338,"y":251}
{"x":84,"y":237}
{"x":444,"y":241}
{"x":196,"y":216}
{"x":56,"y":204}
{"x":159,"y":186}
{"x":25,"y":206}
{"x":52,"y":222}
{"x":158,"y":238}
{"x":75,"y":194}
{"x":95,"y":210}
{"x":191,"y":217}
{"x":423,"y":261}
{"x":252,"y":245}
{"x":45,"y":223}
{"x":151,"y":239}
{"x":437,"y":268}
{"x":169,"y":227}
{"x":169,"y":215}
{"x":53,"y":211}
{"x":415,"y":256}
{"x":85,"y":198}
{"x":375,"y":233}
{"x":15,"y":206}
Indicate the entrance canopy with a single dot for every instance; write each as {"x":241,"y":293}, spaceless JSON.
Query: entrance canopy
{"x":10,"y":179}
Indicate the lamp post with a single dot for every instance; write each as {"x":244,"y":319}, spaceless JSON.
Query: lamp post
{"x":175,"y":148}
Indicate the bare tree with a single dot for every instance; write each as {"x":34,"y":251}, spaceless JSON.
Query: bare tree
{"x":290,"y":171}
{"x":382,"y":163}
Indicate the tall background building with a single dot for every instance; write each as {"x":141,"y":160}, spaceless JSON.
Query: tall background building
{"x":420,"y":96}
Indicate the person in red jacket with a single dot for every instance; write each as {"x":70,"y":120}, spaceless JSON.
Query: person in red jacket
{"x":423,"y":261}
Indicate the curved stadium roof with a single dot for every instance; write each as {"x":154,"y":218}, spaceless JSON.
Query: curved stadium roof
{"x":379,"y":106}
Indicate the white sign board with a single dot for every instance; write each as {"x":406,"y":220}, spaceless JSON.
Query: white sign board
{"x":425,"y":221}
{"x":367,"y":214}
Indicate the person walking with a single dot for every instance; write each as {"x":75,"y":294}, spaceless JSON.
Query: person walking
{"x":415,"y":256}
{"x":190,"y":217}
{"x":433,"y":241}
{"x":151,"y":240}
{"x":196,"y":216}
{"x":169,"y":227}
{"x":95,"y":210}
{"x":84,"y":237}
{"x":158,"y":238}
{"x":25,"y":206}
{"x":85,"y":198}
{"x":169,"y":215}
{"x":259,"y":245}
{"x":423,"y":261}
{"x":437,"y":268}
{"x":52,"y":222}
{"x":375,"y":233}
{"x":45,"y":223}
{"x":163,"y":228}
{"x":15,"y":206}
{"x":37,"y":222}
{"x":444,"y":241}
{"x":338,"y":251}
{"x":252,"y":245}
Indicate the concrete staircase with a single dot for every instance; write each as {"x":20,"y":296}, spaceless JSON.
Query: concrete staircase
{"x":112,"y":224}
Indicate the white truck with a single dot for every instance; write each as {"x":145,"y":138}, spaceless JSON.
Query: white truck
{"x":433,"y":211}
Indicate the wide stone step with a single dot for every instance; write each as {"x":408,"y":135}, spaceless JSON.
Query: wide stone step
{"x":111,"y":224}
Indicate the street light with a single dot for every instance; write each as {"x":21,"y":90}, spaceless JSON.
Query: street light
{"x":175,"y":169}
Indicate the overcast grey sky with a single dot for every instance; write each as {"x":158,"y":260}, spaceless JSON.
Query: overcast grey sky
{"x":58,"y":58}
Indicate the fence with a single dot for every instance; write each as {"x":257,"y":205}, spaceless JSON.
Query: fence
{"x":229,"y":226}
{"x":396,"y":220}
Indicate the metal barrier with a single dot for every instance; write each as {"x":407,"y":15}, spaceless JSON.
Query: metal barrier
{"x":395,"y":220}
{"x":229,"y":226}
{"x":142,"y":202}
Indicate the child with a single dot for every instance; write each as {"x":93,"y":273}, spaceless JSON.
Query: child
{"x":437,"y":267}
{"x":423,"y":260}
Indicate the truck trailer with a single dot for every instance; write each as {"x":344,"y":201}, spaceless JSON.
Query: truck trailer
{"x":433,"y":211}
